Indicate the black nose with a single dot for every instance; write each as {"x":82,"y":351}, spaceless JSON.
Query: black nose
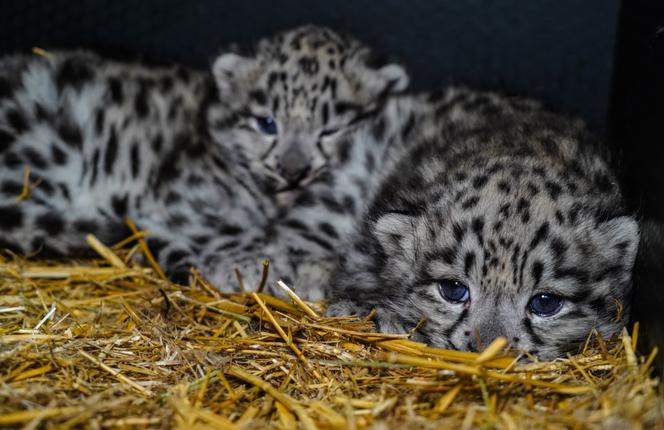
{"x":293,"y":173}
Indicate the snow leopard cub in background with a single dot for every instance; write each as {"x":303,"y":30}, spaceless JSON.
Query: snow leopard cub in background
{"x":201,"y":160}
{"x":510,"y":224}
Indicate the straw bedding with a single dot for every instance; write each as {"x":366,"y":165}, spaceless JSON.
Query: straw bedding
{"x":107,"y":344}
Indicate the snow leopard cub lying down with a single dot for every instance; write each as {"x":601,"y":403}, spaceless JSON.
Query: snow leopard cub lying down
{"x":201,"y":160}
{"x":508,"y":225}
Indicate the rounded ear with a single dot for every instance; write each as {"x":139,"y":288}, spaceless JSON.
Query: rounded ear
{"x":231,"y":69}
{"x":395,"y":232}
{"x":395,"y":76}
{"x":610,"y":243}
{"x":375,"y":81}
{"x":619,"y":238}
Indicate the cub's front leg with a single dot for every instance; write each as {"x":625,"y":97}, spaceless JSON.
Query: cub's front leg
{"x":237,"y":264}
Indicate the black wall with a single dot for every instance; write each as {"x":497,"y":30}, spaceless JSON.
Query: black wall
{"x":637,"y":131}
{"x":559,"y":50}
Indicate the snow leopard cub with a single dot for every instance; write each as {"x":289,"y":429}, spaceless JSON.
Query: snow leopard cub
{"x":509,"y":223}
{"x":201,"y":160}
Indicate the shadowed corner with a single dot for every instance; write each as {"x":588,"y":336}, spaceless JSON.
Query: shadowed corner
{"x":648,"y":292}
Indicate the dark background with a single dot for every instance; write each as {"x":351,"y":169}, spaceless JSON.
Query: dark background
{"x":599,"y":59}
{"x":636,"y":131}
{"x":559,"y":50}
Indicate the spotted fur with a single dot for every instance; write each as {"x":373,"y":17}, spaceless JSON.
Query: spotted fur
{"x":186,"y":154}
{"x":511,"y":201}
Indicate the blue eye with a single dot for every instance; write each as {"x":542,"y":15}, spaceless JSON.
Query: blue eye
{"x":454,"y":291}
{"x":266,"y":125}
{"x":545,"y":305}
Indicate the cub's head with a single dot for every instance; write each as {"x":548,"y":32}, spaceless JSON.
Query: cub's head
{"x":510,"y":250}
{"x":287,"y":107}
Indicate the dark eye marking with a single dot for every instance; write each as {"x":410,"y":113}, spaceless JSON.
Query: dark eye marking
{"x":468,"y":263}
{"x":269,"y":150}
{"x":528,"y":327}
{"x":328,"y":132}
{"x":537,"y":269}
{"x":462,"y":317}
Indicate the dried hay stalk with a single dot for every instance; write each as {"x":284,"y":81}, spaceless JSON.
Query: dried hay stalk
{"x":88,"y":344}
